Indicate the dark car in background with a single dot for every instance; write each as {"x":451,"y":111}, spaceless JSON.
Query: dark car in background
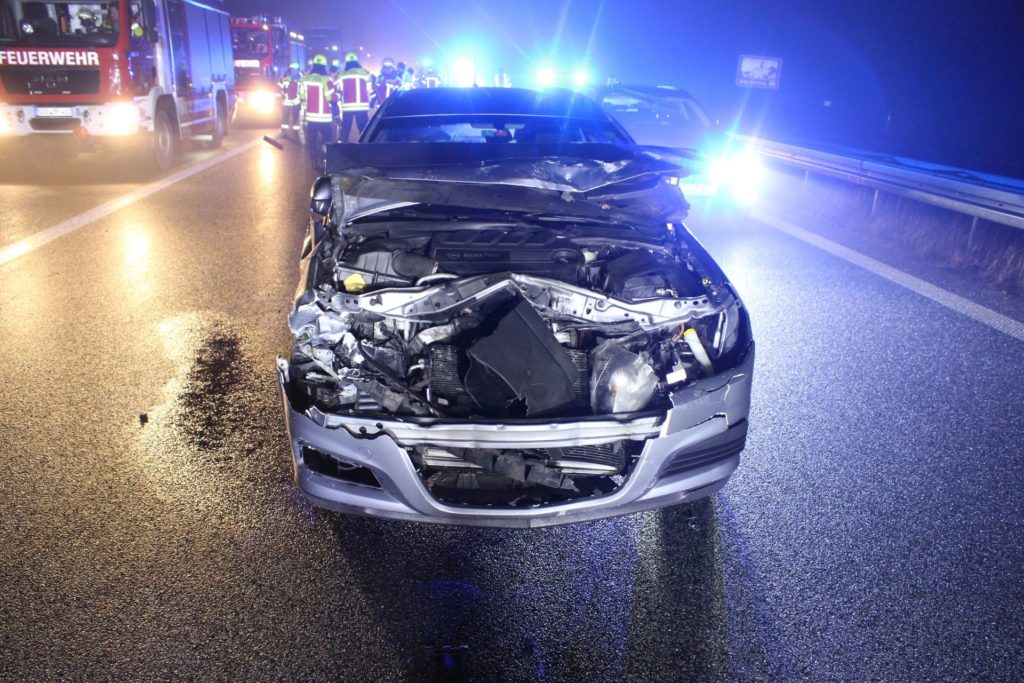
{"x":663,"y":115}
{"x":502,"y":320}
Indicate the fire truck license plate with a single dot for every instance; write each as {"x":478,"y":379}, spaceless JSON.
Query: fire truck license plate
{"x":55,"y":112}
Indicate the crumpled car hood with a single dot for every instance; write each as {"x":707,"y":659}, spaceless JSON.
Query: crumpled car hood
{"x":602,"y":181}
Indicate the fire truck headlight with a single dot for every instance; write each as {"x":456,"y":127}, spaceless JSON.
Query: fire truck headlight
{"x":121,"y":119}
{"x":262,"y":101}
{"x":5,"y":125}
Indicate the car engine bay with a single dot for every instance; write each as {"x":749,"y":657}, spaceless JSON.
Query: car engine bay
{"x":522,"y":319}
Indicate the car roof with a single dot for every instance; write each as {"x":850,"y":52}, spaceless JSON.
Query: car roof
{"x":515,"y":101}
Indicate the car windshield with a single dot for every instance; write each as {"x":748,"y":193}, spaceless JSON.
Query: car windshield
{"x":250,"y":43}
{"x":639,"y":109}
{"x":58,"y":24}
{"x":497,"y":129}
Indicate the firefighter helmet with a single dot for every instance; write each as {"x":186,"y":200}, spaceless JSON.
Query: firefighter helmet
{"x":351,"y":57}
{"x":388,"y":62}
{"x":86,"y":17}
{"x":320,"y":59}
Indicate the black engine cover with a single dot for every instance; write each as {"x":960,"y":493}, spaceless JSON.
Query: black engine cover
{"x":520,"y":370}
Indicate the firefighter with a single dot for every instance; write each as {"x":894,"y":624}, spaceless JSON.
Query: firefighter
{"x":290,"y":102}
{"x":315,"y":93}
{"x":430,"y":78}
{"x":335,"y":73}
{"x":87,"y":20}
{"x":354,"y":88}
{"x":387,"y":82}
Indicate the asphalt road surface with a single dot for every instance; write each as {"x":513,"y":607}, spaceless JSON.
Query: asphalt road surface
{"x":873,"y":531}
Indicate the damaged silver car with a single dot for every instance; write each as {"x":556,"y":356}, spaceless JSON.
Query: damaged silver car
{"x":510,"y":335}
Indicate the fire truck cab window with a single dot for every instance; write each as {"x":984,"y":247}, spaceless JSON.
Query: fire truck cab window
{"x":250,"y":43}
{"x":60,"y":24}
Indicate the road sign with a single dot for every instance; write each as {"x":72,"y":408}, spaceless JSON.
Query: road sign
{"x":758,"y":72}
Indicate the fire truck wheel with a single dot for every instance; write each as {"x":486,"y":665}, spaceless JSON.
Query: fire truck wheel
{"x":220,"y":128}
{"x":160,"y":150}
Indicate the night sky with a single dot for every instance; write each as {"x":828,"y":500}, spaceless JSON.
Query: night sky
{"x":940,"y":80}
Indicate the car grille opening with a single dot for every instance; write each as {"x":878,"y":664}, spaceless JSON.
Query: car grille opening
{"x":329,"y":466}
{"x":524,"y":478}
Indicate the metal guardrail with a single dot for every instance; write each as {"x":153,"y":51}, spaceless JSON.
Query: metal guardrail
{"x":984,"y":198}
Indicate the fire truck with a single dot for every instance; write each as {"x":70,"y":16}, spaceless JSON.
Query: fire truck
{"x":87,"y":76}
{"x":264,"y":47}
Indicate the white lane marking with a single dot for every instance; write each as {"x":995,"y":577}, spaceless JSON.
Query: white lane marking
{"x":29,"y":244}
{"x":954,"y":302}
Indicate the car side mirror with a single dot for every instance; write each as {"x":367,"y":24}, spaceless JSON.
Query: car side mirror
{"x":320,"y":198}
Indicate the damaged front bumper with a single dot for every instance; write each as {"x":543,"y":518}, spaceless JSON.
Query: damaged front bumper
{"x":688,"y":454}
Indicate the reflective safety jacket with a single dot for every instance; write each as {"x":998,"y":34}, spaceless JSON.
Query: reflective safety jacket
{"x":431,"y":81}
{"x":289,"y":90}
{"x":315,"y":92}
{"x":386,"y":85}
{"x":354,"y":87}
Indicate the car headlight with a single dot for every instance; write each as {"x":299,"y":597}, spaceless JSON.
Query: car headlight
{"x":5,"y":125}
{"x":262,"y":101}
{"x":121,"y":119}
{"x":740,"y":174}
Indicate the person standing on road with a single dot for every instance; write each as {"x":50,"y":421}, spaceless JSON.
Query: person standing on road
{"x":290,"y":102}
{"x":335,"y":74}
{"x":354,"y":88}
{"x":387,"y":82}
{"x":431,"y":79}
{"x":315,"y":93}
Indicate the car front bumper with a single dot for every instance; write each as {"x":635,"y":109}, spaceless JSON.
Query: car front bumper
{"x":692,"y":454}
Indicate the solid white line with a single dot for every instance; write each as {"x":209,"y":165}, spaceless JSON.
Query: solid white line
{"x":33,"y":242}
{"x":954,"y":302}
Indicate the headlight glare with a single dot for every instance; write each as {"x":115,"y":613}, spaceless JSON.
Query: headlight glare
{"x":122,"y":119}
{"x":740,"y":174}
{"x":262,"y":101}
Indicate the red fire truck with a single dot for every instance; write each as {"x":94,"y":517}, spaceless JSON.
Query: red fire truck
{"x":264,"y":47}
{"x":84,"y":76}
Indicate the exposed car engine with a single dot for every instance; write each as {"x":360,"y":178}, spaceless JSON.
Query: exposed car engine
{"x":492,"y":321}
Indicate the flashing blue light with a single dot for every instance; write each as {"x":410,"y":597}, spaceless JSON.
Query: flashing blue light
{"x":464,"y":72}
{"x":546,"y":77}
{"x":581,"y":78}
{"x":739,"y":174}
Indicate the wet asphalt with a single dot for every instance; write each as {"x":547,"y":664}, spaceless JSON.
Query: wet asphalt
{"x":873,"y":531}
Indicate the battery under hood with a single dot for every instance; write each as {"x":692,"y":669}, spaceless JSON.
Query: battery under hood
{"x":599,"y":181}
